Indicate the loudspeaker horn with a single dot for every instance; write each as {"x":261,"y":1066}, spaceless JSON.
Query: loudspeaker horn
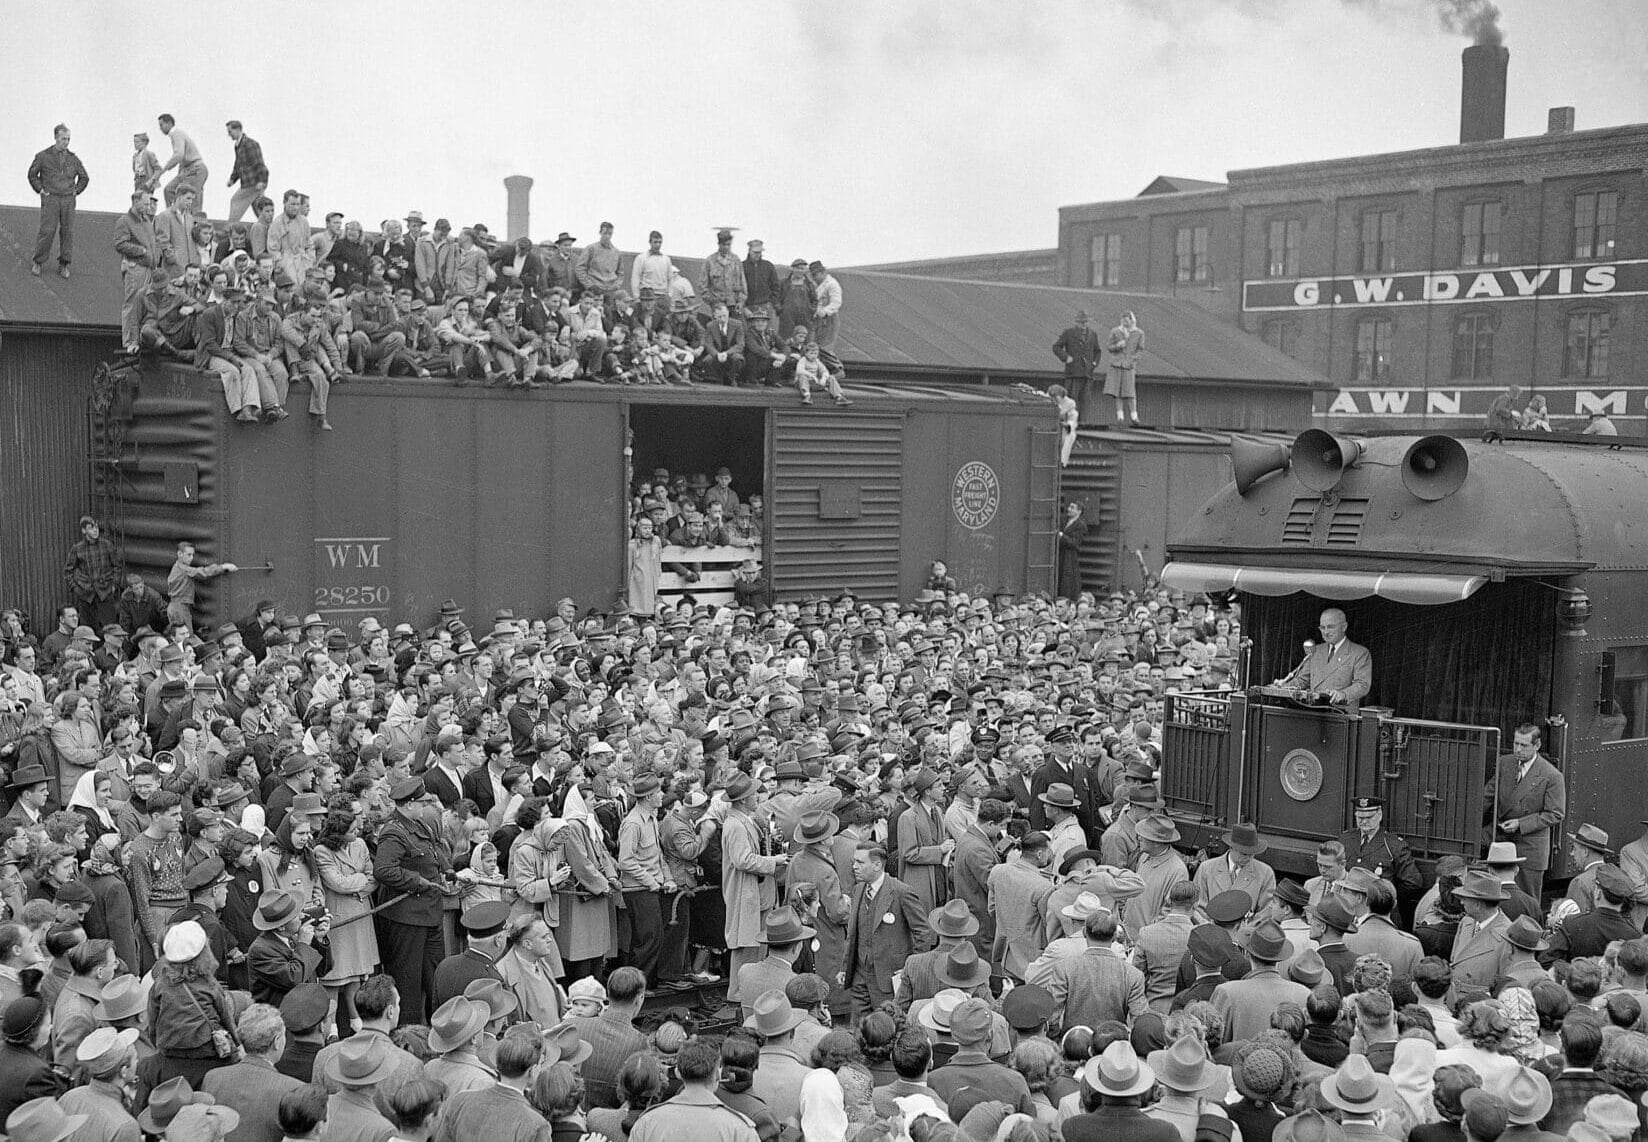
{"x":1435,"y":467}
{"x":1320,"y":458}
{"x":1254,"y":461}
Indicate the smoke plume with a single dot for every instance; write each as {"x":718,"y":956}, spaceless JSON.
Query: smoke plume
{"x":1478,"y":19}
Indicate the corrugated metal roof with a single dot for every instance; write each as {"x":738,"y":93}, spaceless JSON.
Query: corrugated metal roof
{"x":892,"y":321}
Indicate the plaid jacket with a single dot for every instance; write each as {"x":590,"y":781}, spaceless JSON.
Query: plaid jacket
{"x":1570,"y":1091}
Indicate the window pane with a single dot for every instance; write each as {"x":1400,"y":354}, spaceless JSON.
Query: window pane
{"x":1584,"y":224}
{"x":1490,"y":233}
{"x":1473,"y":348}
{"x":1200,"y":254}
{"x":1607,"y":206}
{"x":1629,"y":717}
{"x":1295,"y":234}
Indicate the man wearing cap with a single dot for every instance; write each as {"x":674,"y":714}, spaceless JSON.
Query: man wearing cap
{"x":826,"y":315}
{"x":1247,"y":1003}
{"x":1114,"y":1087}
{"x":1588,"y":850}
{"x":721,"y":280}
{"x":484,"y":939}
{"x":1480,"y":952}
{"x":1590,"y":933}
{"x":1159,"y":866}
{"x":92,"y":573}
{"x":1078,"y":348}
{"x":411,"y":866}
{"x":796,"y":301}
{"x":1239,"y":869}
{"x":207,"y":884}
{"x":971,"y":1070}
{"x":108,"y":1060}
{"x":1371,"y":846}
{"x":1529,"y":800}
{"x":644,"y":878}
{"x":1062,"y":768}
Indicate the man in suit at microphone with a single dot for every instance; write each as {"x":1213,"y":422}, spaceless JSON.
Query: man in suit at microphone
{"x":1336,"y":668}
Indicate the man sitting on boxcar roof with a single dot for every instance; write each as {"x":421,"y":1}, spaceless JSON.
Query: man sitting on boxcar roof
{"x":1336,"y":668}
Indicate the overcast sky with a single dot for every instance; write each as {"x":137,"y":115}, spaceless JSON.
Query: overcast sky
{"x":848,"y":130}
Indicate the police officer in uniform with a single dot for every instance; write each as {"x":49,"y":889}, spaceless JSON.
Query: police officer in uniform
{"x":1371,"y":846}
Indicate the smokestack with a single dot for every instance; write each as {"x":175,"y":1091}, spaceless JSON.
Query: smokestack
{"x":1559,"y":121}
{"x":1482,"y":92}
{"x":519,"y":187}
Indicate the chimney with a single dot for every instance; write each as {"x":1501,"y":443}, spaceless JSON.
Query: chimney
{"x":1559,"y":121}
{"x":1482,"y":93}
{"x":519,"y":187}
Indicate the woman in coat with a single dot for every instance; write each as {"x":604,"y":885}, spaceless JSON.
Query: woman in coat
{"x":588,"y":929}
{"x":345,"y":866}
{"x":644,"y":568}
{"x":290,"y":861}
{"x":190,"y":1016}
{"x":78,"y":740}
{"x":1071,"y":534}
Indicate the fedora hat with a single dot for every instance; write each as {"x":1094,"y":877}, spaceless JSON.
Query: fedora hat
{"x":1356,"y":1087}
{"x":124,"y":997}
{"x":29,"y":775}
{"x":1244,"y":837}
{"x":815,"y":827}
{"x":771,"y":1014}
{"x":784,"y":926}
{"x":1527,"y":935}
{"x":1118,"y":1072}
{"x":1060,"y":796}
{"x":954,"y":921}
{"x":1157,"y":828}
{"x":457,"y":1021}
{"x":1267,"y":942}
{"x":740,"y":787}
{"x":936,"y":1015}
{"x":1294,"y":893}
{"x":42,"y":1120}
{"x":1504,"y":852}
{"x":274,"y":908}
{"x":1307,"y":968}
{"x":499,"y":1000}
{"x":1527,"y":1096}
{"x":1310,"y":1126}
{"x":1481,"y":885}
{"x":1184,"y":1066}
{"x":296,"y":763}
{"x":360,"y":1060}
{"x":166,"y":1100}
{"x":961,"y":967}
{"x":1084,"y":905}
{"x":1356,"y":879}
{"x":1333,"y":914}
{"x":567,"y":1047}
{"x":1592,"y":838}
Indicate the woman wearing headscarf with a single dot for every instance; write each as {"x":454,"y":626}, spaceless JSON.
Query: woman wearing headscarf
{"x":290,"y":862}
{"x":588,"y":929}
{"x":91,"y":800}
{"x":1413,"y":1070}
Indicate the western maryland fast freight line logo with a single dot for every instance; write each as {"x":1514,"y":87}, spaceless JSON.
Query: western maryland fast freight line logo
{"x":976,"y":495}
{"x":1451,"y":287}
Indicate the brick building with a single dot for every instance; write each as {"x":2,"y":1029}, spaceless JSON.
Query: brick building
{"x":1421,"y":283}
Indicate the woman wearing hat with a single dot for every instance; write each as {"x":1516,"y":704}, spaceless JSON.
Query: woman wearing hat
{"x":190,"y":1016}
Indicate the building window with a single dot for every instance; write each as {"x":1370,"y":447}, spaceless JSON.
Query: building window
{"x":1595,"y":215}
{"x":1473,"y":337}
{"x":1190,"y":249}
{"x":1479,"y":234}
{"x":1283,"y":335}
{"x":1586,"y":352}
{"x":1373,"y":348}
{"x":1378,"y":241}
{"x":1283,"y":247}
{"x":1105,"y":260}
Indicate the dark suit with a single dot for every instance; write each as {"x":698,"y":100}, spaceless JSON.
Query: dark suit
{"x":1078,"y":347}
{"x":457,"y":972}
{"x":1118,"y":1124}
{"x":298,"y":1060}
{"x":1072,"y":773}
{"x":278,"y":967}
{"x":1385,"y":855}
{"x":1538,"y":801}
{"x":1347,"y":668}
{"x":477,"y":786}
{"x":729,"y":341}
{"x":532,"y":268}
{"x":409,"y":932}
{"x":446,"y":790}
{"x":876,"y":948}
{"x":253,"y":1090}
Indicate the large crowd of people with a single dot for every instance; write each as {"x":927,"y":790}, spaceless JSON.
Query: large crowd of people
{"x":283,"y":879}
{"x":278,"y":299}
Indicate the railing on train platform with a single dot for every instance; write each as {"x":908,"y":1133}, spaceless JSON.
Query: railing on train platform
{"x":715,"y":567}
{"x":1198,"y":729}
{"x":1433,"y":776}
